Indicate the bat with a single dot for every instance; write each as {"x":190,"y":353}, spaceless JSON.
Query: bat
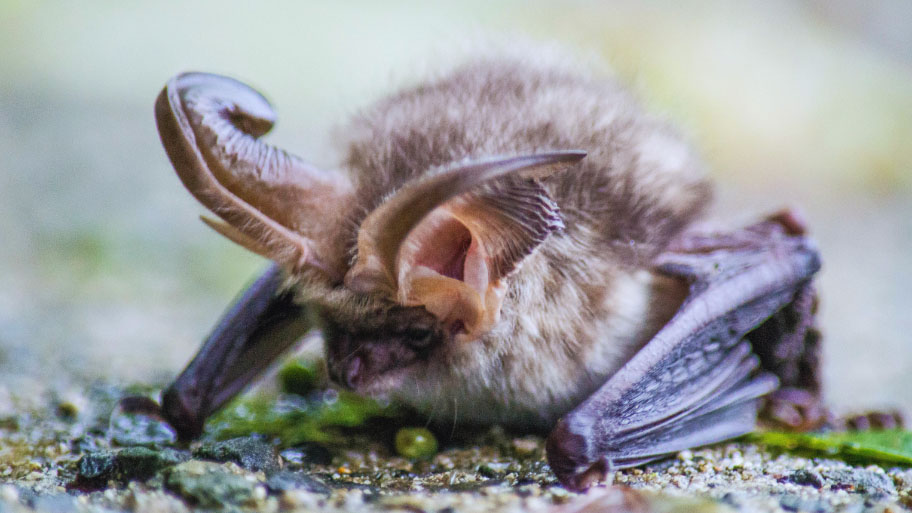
{"x":514,"y":242}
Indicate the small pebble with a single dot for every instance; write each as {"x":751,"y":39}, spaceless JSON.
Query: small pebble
{"x":155,"y":502}
{"x":298,"y":499}
{"x":67,"y":410}
{"x":806,"y":478}
{"x":285,"y":480}
{"x":416,"y":443}
{"x":210,"y":485}
{"x":525,"y":447}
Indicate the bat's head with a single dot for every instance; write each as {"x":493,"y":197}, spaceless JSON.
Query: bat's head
{"x":374,"y":347}
{"x":425,"y":271}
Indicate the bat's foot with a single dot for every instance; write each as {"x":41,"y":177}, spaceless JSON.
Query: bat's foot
{"x":794,"y":409}
{"x":790,"y":219}
{"x":797,"y":409}
{"x":873,"y":420}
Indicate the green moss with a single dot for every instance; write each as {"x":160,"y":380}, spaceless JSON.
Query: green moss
{"x":299,"y":377}
{"x":293,"y":420}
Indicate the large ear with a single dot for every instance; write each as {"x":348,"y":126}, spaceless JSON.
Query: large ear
{"x":273,"y":202}
{"x":448,"y":241}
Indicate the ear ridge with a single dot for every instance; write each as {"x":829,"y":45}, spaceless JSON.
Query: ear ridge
{"x":384,"y":230}
{"x":510,"y":218}
{"x":506,"y":221}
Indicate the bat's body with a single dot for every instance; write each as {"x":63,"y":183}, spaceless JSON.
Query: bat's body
{"x":464,"y":262}
{"x":585,"y":300}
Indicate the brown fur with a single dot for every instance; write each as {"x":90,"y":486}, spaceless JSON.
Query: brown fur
{"x":582,"y":304}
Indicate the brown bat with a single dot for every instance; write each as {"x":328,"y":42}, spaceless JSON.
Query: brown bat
{"x":514,"y":242}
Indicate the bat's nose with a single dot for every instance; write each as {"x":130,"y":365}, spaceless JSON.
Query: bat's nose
{"x":353,"y":372}
{"x":348,"y":372}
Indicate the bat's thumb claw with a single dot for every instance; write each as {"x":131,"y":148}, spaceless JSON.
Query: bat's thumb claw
{"x":567,"y":455}
{"x":183,"y":413}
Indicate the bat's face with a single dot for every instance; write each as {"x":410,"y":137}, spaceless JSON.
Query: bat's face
{"x":380,"y":349}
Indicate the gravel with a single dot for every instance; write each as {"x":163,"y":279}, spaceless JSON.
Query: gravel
{"x":52,"y":460}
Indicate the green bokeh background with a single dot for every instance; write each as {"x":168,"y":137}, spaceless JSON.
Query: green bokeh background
{"x":105,"y":271}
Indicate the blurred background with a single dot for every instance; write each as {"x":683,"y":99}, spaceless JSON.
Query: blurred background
{"x":105,"y":270}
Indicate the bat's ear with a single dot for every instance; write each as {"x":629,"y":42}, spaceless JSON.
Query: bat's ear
{"x":271,"y":202}
{"x":447,"y":242}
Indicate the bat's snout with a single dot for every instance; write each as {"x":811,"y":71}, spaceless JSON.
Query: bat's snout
{"x":361,"y":365}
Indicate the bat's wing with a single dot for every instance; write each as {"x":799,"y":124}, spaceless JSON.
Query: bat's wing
{"x":696,"y":382}
{"x":262,"y":323}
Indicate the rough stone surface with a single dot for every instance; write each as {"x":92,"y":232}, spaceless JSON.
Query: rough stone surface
{"x":251,"y":453}
{"x":212,"y":485}
{"x":95,"y":469}
{"x":871,"y":481}
{"x":286,"y":480}
{"x":54,"y":503}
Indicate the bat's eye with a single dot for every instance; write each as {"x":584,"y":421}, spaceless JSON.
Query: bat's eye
{"x":419,"y":338}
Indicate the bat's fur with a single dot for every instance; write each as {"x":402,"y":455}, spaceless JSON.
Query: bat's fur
{"x":584,"y":302}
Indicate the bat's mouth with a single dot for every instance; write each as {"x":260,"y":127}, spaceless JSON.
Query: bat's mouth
{"x":369,"y":372}
{"x":375,"y":366}
{"x":376,"y":352}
